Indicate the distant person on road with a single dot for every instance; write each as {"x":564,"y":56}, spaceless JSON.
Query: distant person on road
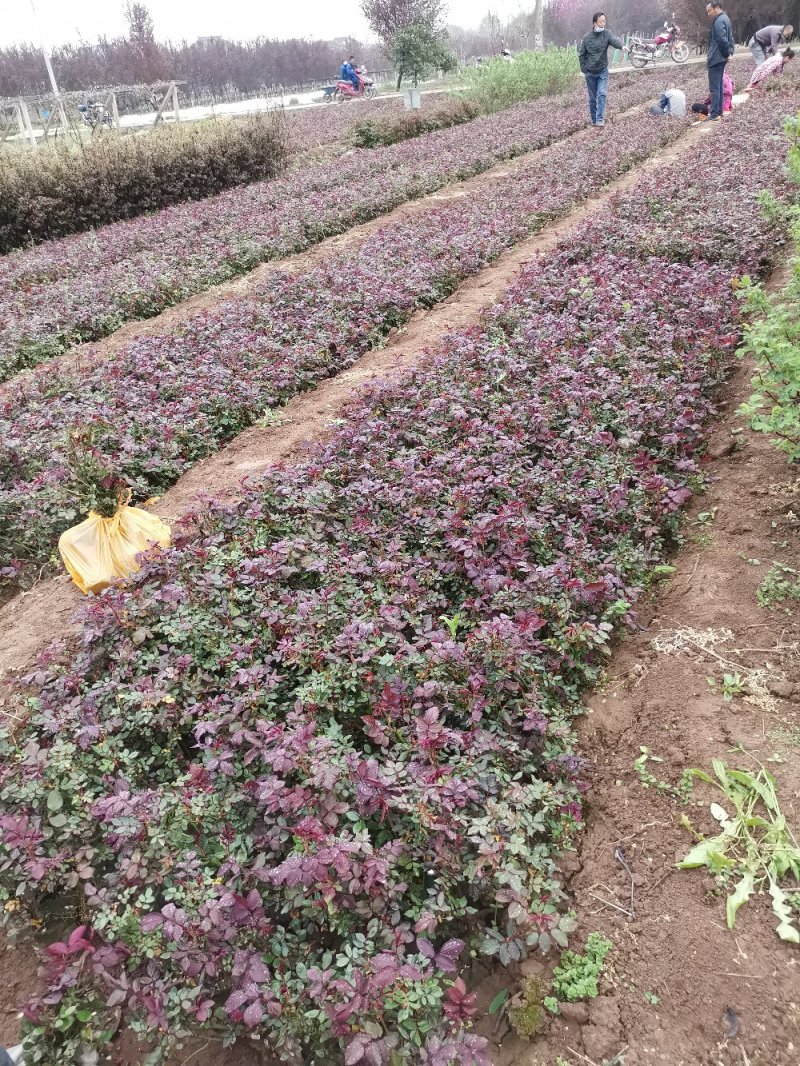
{"x":593,"y":57}
{"x":772,"y":66}
{"x":727,"y":98}
{"x":348,"y":72}
{"x":721,"y":47}
{"x":672,"y":103}
{"x":354,"y":73}
{"x":767,"y":41}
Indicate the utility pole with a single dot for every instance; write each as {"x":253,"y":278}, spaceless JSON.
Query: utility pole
{"x":49,"y":65}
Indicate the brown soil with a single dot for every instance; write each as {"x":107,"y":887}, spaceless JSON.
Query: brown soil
{"x":32,"y":619}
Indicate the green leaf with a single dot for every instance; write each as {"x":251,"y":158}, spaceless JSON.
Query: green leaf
{"x":783,"y":912}
{"x":766,"y":793}
{"x":788,"y":932}
{"x":57,"y":820}
{"x":740,"y":895}
{"x":721,"y":771}
{"x":560,"y":937}
{"x":498,"y":1001}
{"x":701,"y":853}
{"x":55,"y":801}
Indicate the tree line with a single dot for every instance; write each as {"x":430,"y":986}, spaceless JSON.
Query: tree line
{"x":409,"y":31}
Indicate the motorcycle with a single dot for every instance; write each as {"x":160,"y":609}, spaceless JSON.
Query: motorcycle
{"x":643,"y":51}
{"x":345,"y":90}
{"x":94,"y":115}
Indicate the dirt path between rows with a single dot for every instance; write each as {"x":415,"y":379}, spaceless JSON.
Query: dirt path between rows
{"x":681,"y":988}
{"x":32,"y":619}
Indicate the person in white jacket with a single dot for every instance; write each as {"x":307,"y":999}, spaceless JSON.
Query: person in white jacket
{"x":672,"y":103}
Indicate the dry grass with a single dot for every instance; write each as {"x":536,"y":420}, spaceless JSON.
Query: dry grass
{"x":63,"y":189}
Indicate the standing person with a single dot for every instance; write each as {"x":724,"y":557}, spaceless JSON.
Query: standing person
{"x":766,"y":42}
{"x":593,"y":56}
{"x":772,"y":66}
{"x":721,"y":47}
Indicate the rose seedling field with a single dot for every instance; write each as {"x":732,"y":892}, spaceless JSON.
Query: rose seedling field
{"x":84,"y":287}
{"x":312,"y":755}
{"x":308,"y":755}
{"x":162,"y":403}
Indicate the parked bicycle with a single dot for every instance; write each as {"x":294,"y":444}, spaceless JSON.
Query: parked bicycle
{"x":94,"y":115}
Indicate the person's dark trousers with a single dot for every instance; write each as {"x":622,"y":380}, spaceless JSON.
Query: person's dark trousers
{"x":715,"y":74}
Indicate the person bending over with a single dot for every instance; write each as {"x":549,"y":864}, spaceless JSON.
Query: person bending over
{"x":672,"y":103}
{"x":772,"y":67}
{"x":727,"y":98}
{"x":766,"y":42}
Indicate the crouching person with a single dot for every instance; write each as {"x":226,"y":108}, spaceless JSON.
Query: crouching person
{"x":672,"y":103}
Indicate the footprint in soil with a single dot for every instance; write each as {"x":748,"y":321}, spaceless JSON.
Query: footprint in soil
{"x":602,"y":1038}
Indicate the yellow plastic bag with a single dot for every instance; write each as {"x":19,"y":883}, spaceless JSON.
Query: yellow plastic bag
{"x":100,"y":549}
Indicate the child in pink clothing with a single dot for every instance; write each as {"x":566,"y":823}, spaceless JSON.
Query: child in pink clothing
{"x":727,"y":98}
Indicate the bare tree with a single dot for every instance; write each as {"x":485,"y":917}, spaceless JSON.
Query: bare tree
{"x":211,"y":67}
{"x":538,"y":25}
{"x":746,"y":16}
{"x":493,"y":28}
{"x":142,"y":38}
{"x":568,"y":20}
{"x":529,"y":27}
{"x":387,"y":17}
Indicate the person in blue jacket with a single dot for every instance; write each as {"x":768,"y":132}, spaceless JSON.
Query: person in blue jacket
{"x":348,"y":72}
{"x":721,"y":47}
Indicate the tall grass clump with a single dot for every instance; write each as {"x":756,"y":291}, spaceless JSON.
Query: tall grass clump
{"x":390,"y":129}
{"x":772,"y":338}
{"x":498,"y":84}
{"x":63,"y":188}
